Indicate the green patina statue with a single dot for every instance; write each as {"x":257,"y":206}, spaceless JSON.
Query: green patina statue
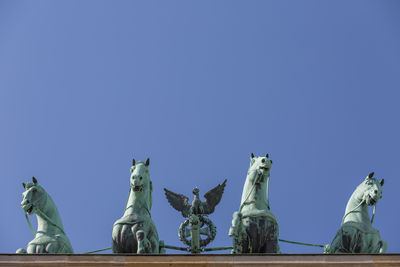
{"x":196,"y":212}
{"x":356,"y":234}
{"x":135,"y":232}
{"x":254,"y":228}
{"x":50,"y":236}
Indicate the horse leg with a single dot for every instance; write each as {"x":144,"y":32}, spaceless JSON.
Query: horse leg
{"x":35,"y":249}
{"x":271,"y":240}
{"x":116,"y":237}
{"x":256,"y":235}
{"x":235,"y":231}
{"x":122,"y":239}
{"x":31,"y":249}
{"x":246,"y":238}
{"x":383,"y":246}
{"x":144,"y":245}
{"x":154,"y":245}
{"x":52,"y":247}
{"x":40,"y":249}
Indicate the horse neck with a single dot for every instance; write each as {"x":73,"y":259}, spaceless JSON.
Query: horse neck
{"x":50,"y":210}
{"x":356,"y":211}
{"x":138,"y":203}
{"x":254,"y":193}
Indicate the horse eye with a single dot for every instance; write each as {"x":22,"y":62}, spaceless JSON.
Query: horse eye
{"x":34,"y":190}
{"x":263,"y":160}
{"x":140,"y":177}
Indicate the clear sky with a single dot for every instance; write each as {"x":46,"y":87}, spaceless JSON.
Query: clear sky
{"x":197,"y":86}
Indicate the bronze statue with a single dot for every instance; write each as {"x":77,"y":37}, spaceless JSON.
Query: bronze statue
{"x":196,"y":213}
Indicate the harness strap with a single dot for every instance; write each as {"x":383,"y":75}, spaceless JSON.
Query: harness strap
{"x":39,"y":212}
{"x":373,"y":214}
{"x":127,"y":207}
{"x":353,"y":210}
{"x":251,"y":190}
{"x":29,"y":223}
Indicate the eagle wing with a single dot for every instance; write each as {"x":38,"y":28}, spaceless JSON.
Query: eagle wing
{"x":213,"y":197}
{"x":178,"y":202}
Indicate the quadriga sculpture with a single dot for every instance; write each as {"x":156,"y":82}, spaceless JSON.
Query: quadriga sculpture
{"x":356,"y":234}
{"x":135,"y":232}
{"x":254,"y":227}
{"x":50,"y":236}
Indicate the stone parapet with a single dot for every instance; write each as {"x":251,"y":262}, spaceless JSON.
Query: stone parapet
{"x":209,"y":260}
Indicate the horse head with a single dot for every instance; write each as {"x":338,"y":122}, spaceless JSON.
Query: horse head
{"x":370,"y":190}
{"x":140,"y":181}
{"x":255,"y":186}
{"x":34,"y":197}
{"x":261,"y":166}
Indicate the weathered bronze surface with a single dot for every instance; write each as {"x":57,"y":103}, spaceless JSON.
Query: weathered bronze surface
{"x":50,"y":236}
{"x":254,"y":227}
{"x":356,"y":234}
{"x":135,"y":232}
{"x":196,"y":212}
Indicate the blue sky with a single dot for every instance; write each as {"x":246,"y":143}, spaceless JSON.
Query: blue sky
{"x":197,"y":86}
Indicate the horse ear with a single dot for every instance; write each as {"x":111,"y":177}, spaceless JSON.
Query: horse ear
{"x":34,"y":180}
{"x":147,"y":162}
{"x":252,"y":160}
{"x":252,"y":155}
{"x":382,"y":182}
{"x":267,"y":156}
{"x":24,"y":185}
{"x":371,"y":175}
{"x":133,"y":162}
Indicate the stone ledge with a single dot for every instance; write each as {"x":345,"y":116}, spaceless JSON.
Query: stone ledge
{"x":209,"y":260}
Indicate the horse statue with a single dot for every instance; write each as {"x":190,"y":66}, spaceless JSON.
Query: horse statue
{"x":254,"y":228}
{"x":135,"y":232}
{"x":356,"y":234}
{"x":50,"y":236}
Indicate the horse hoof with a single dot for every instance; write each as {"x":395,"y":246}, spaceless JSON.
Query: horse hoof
{"x":140,"y":235}
{"x":21,"y":251}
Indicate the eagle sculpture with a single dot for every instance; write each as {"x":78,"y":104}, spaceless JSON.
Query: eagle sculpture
{"x":181,"y":202}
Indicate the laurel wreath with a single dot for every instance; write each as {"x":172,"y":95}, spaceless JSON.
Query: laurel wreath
{"x":203,"y":242}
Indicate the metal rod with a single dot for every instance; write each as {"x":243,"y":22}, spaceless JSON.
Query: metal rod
{"x":94,"y":251}
{"x":176,"y":248}
{"x":301,"y":243}
{"x":218,"y":248}
{"x":268,"y":192}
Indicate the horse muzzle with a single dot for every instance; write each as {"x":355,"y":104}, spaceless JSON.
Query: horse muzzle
{"x":371,"y":200}
{"x":264,"y":170}
{"x":27,"y":207}
{"x":137,"y":188}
